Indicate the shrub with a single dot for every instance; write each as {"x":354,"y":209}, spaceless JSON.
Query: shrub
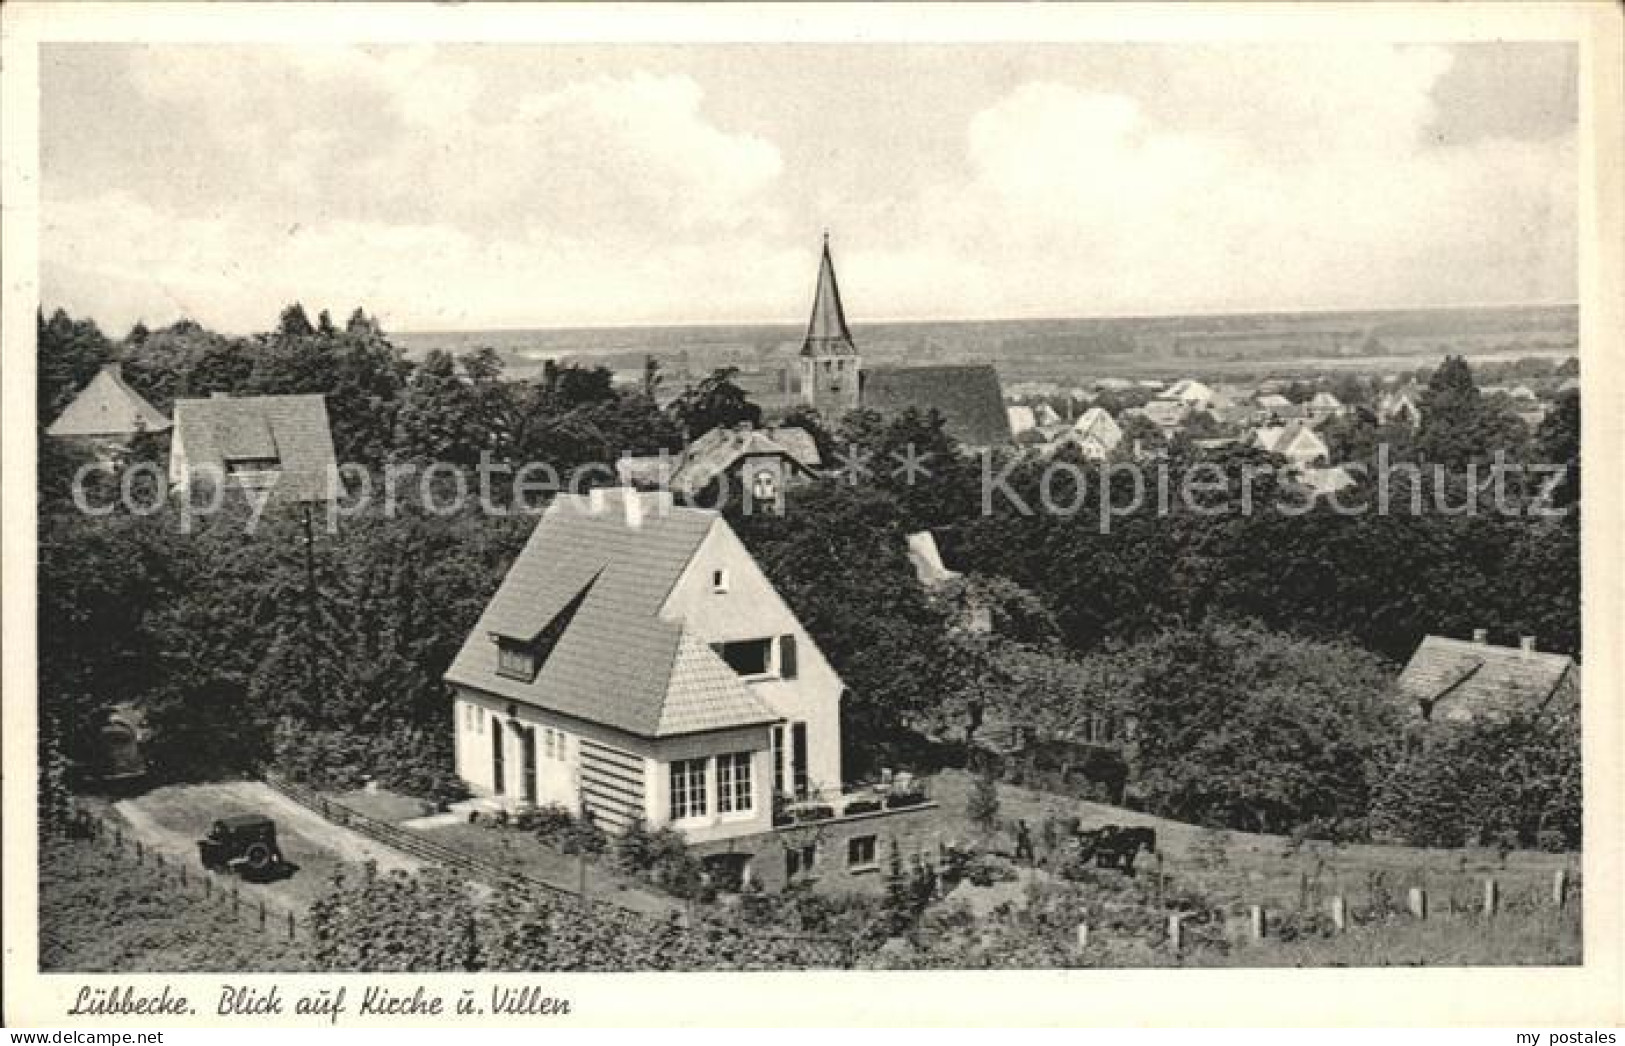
{"x":552,"y":824}
{"x":982,"y":806}
{"x":987,"y":869}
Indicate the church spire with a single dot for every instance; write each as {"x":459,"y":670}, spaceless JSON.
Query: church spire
{"x":827,"y":334}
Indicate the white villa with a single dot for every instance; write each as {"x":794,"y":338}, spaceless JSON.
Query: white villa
{"x":636,"y":663}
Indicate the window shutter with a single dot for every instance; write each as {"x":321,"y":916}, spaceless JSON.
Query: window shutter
{"x":787,"y":657}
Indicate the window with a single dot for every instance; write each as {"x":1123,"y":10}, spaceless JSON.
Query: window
{"x":734,"y":793}
{"x":516,"y":660}
{"x":719,"y":581}
{"x":688,"y":789}
{"x":748,"y":657}
{"x":778,"y":760}
{"x":479,"y":720}
{"x":860,"y":853}
{"x":798,"y":859}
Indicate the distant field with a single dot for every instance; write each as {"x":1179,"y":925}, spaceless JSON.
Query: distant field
{"x":1070,"y":350}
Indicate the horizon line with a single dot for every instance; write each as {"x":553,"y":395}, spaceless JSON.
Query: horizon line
{"x":917,"y":321}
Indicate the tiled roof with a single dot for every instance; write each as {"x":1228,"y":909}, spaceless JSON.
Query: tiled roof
{"x":292,"y":430}
{"x":967,"y":397}
{"x":108,"y":407}
{"x":1460,"y":679}
{"x":1098,"y":423}
{"x":716,"y":452}
{"x":617,"y":662}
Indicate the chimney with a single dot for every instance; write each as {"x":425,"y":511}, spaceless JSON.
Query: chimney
{"x":1481,"y":635}
{"x":1526,"y":644}
{"x":632,"y":503}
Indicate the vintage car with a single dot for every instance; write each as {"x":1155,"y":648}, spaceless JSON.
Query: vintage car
{"x":244,"y":843}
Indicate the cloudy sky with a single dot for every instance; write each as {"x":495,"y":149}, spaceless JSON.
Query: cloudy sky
{"x":485,"y":186}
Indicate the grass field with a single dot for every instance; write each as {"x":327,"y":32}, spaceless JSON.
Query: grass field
{"x":100,"y":911}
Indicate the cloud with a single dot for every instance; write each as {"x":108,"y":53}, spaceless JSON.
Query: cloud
{"x":1080,"y":201}
{"x":485,"y":187}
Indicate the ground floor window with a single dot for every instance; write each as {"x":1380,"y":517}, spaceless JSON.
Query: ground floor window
{"x":734,"y":794}
{"x":860,"y":852}
{"x":688,"y":789}
{"x":798,"y":859}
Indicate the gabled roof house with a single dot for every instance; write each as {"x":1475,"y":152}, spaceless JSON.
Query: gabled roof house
{"x":1459,"y":680}
{"x":276,"y":444}
{"x":637,"y":664}
{"x":1295,"y":441}
{"x":761,"y":463}
{"x":107,"y":409}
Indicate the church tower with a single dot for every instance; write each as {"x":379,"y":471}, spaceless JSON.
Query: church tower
{"x":831,"y":368}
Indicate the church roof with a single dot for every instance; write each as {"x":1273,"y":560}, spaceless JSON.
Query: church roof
{"x":827,"y":334}
{"x":108,"y":407}
{"x":967,"y":396}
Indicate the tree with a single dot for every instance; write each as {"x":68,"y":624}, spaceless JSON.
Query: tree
{"x":293,"y":324}
{"x":982,"y":805}
{"x":69,"y":354}
{"x":716,"y":402}
{"x":1559,"y":443}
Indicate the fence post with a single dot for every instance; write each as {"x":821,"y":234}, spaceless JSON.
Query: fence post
{"x":1418,"y":899}
{"x":1340,"y":914}
{"x":140,"y":852}
{"x":1560,"y":888}
{"x":236,"y":899}
{"x":1256,"y":919}
{"x":182,"y":866}
{"x":1492,"y":896}
{"x":118,"y":837}
{"x":1083,"y":936}
{"x":208,"y":885}
{"x":262,"y":913}
{"x":290,"y":926}
{"x":1176,"y":932}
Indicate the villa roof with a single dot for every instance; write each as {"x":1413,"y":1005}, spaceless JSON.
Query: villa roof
{"x":599,"y":570}
{"x":289,"y":430}
{"x":1461,"y":678}
{"x":108,"y":407}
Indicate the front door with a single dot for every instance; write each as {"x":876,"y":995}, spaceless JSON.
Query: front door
{"x":498,"y":776}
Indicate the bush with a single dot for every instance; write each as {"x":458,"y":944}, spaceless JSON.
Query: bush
{"x":987,"y":869}
{"x":551,"y":823}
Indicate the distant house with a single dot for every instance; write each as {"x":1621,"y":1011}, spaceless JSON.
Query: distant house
{"x":1459,"y":680}
{"x":1295,"y":441}
{"x":927,"y":560}
{"x":760,"y":463}
{"x":834,"y":380}
{"x":1273,"y":401}
{"x":1324,"y":481}
{"x":107,"y":413}
{"x":1190,"y":392}
{"x":636,"y":664}
{"x":1022,"y":419}
{"x":1045,"y":415}
{"x":1095,"y":434}
{"x":1531,"y":413}
{"x":277,"y":444}
{"x":1399,"y":406}
{"x":1165,"y":414}
{"x":1324,"y":405}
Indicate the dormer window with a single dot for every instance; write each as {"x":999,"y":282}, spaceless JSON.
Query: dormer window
{"x":516,"y":659}
{"x":719,"y":581}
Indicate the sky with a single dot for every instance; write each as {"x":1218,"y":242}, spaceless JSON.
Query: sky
{"x":479,"y":186}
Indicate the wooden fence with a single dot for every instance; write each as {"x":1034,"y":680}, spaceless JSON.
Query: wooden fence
{"x":266,"y":913}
